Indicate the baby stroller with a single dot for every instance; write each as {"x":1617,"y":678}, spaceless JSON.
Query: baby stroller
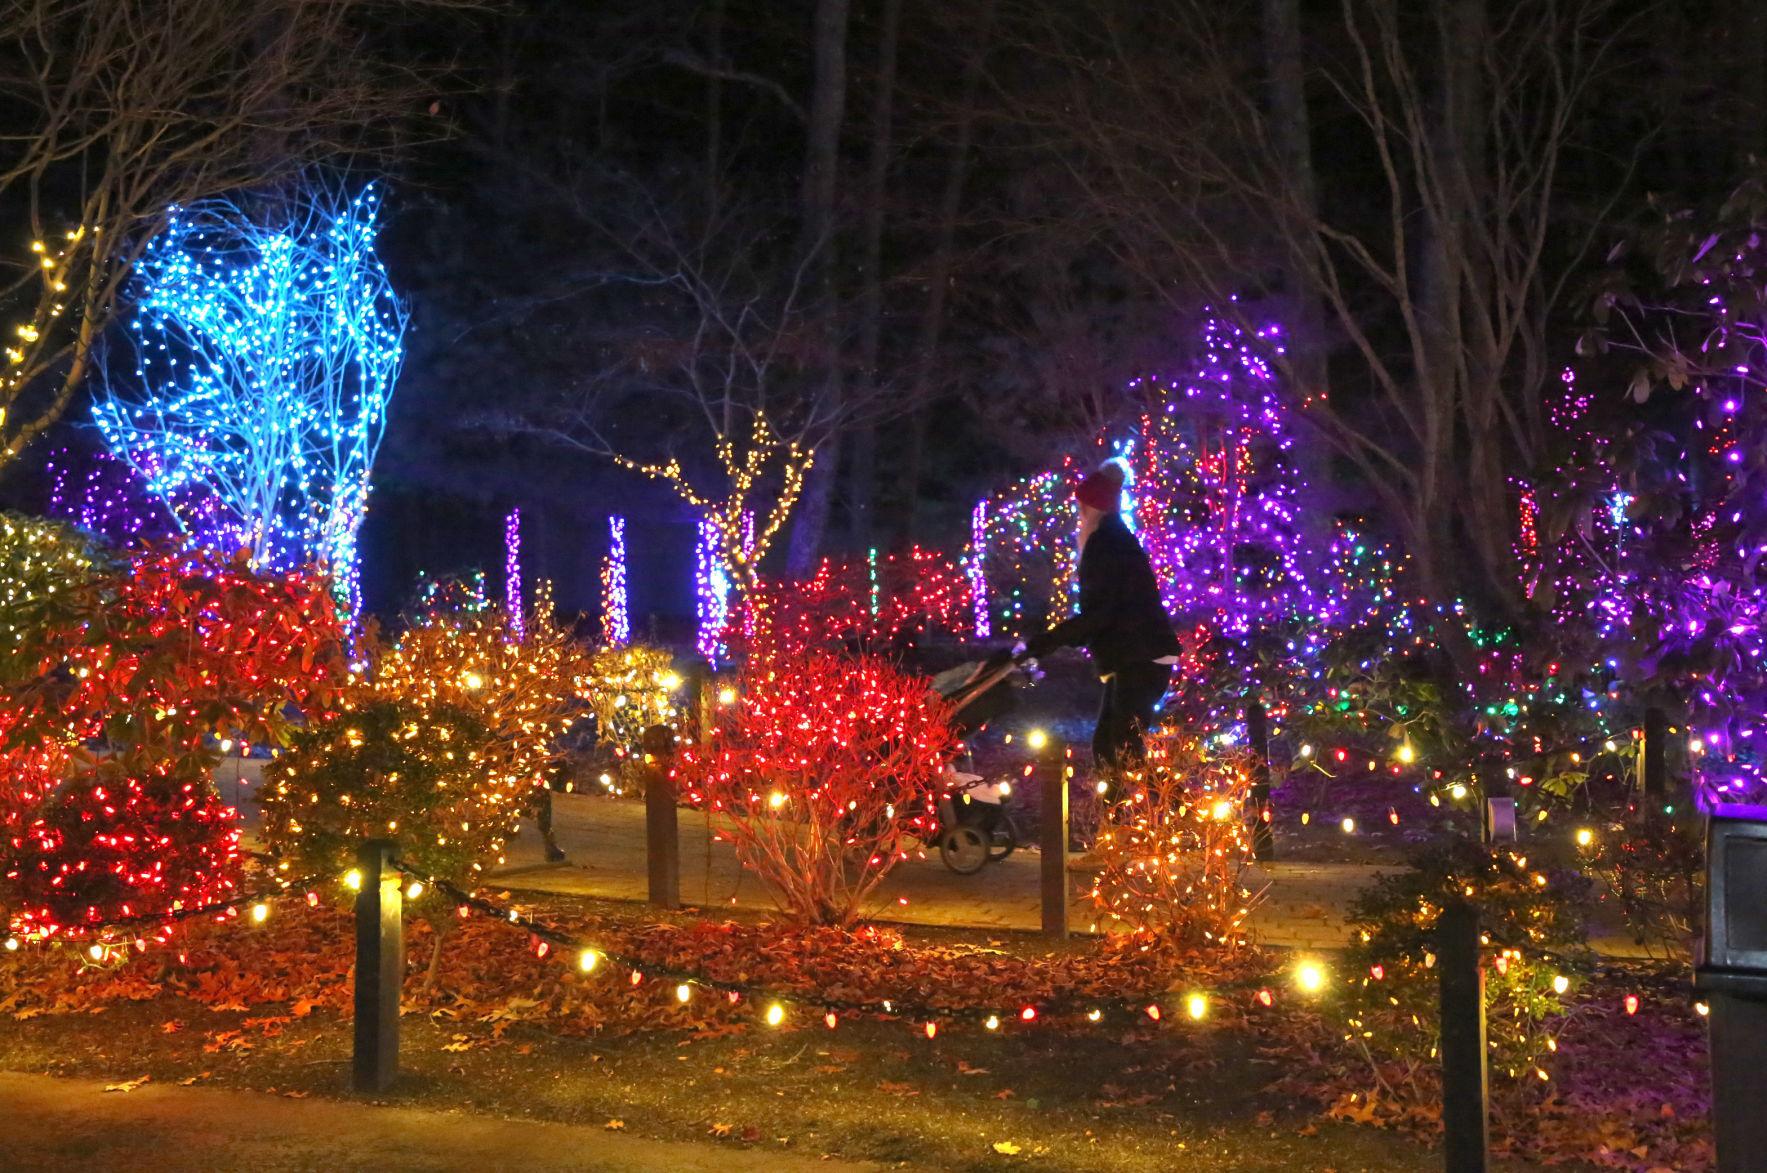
{"x":974,"y":827}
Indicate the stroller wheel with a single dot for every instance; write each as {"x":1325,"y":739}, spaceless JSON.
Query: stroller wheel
{"x":964,"y":850}
{"x":1005,"y":842}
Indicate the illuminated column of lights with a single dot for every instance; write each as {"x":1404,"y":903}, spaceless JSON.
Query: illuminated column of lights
{"x":616,"y":618}
{"x":976,"y":567}
{"x":1026,"y":549}
{"x":512,"y":571}
{"x":266,"y":354}
{"x":872,"y":589}
{"x":1124,"y":451}
{"x":711,"y":593}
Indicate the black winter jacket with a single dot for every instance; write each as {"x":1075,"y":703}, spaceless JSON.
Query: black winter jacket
{"x":1121,"y":620}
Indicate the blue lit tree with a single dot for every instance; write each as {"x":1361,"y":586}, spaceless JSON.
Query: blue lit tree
{"x":266,"y":350}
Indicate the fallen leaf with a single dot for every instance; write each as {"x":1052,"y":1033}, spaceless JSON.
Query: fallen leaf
{"x":721,"y":1129}
{"x":128,"y":1085}
{"x":965,"y":1069}
{"x":1005,"y":1093}
{"x":615,"y":1126}
{"x":1006,"y":1148}
{"x":898,"y":1089}
{"x":172,"y":1027}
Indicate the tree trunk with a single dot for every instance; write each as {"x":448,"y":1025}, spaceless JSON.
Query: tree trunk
{"x":1292,"y":135}
{"x":862,"y":475}
{"x":810,"y":522}
{"x":1292,"y":132}
{"x":714,"y":108}
{"x":932,"y":316}
{"x":828,"y":102}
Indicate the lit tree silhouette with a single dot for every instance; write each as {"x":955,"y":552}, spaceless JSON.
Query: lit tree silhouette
{"x":266,"y":350}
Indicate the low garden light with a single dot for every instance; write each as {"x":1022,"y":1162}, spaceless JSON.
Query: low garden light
{"x":1037,"y":739}
{"x":1310,"y":977}
{"x":587,"y":960}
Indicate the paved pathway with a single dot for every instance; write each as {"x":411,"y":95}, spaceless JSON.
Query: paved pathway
{"x":1304,"y":904}
{"x":61,"y":1124}
{"x":604,"y":838}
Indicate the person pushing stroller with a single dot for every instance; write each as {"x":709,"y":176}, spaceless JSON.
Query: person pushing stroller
{"x":1121,"y":623}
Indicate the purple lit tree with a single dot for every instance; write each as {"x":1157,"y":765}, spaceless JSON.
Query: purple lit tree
{"x":1689,"y":311}
{"x":1214,"y":488}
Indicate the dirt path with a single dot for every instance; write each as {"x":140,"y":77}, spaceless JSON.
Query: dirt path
{"x":59,"y":1124}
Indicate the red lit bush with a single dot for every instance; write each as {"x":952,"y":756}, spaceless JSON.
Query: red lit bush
{"x":823,"y":774}
{"x":141,"y":673}
{"x":855,"y":604}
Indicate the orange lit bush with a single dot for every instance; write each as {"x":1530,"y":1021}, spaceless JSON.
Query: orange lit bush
{"x":823,"y":774}
{"x":1174,"y":849}
{"x":440,"y":741}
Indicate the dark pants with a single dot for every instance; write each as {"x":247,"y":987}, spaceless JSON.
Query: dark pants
{"x":1126,"y":712}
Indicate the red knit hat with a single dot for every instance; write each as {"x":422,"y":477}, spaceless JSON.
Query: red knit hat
{"x":1103,"y":490}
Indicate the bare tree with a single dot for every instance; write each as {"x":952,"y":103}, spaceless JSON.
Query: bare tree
{"x":1438,"y":260}
{"x":117,"y":110}
{"x":716,"y":345}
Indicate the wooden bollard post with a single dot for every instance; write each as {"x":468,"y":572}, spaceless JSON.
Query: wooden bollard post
{"x":1653,"y":760}
{"x":380,"y":967}
{"x":1257,"y":726}
{"x":695,"y":708}
{"x":662,"y":835}
{"x":1466,"y":1129}
{"x":1055,"y":840}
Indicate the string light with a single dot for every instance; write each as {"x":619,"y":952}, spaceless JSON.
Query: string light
{"x":735,"y":543}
